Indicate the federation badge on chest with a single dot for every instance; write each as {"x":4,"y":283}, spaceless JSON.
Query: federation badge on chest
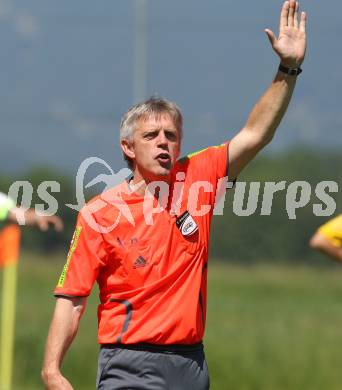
{"x":186,"y":224}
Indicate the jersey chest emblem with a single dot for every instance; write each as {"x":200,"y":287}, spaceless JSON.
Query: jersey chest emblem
{"x":186,"y":224}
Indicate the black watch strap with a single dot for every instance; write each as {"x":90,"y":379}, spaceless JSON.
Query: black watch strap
{"x":290,"y":71}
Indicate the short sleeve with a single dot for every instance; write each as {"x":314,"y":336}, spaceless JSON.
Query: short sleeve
{"x":218,"y":158}
{"x":332,"y":231}
{"x":206,"y":176}
{"x":6,"y":205}
{"x":211,"y":162}
{"x":85,"y":257}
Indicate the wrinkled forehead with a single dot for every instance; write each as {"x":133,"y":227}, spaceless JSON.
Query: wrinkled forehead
{"x":158,"y":120}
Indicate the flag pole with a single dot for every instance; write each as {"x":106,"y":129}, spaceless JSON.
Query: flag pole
{"x":9,"y":246}
{"x":9,"y":290}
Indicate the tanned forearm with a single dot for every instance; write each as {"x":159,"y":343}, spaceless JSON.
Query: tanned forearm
{"x":262,"y":122}
{"x":62,"y":331}
{"x":270,"y":109}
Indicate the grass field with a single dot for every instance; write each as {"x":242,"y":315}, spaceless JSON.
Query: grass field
{"x":269,"y":327}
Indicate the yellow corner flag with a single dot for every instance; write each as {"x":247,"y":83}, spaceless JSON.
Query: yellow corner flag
{"x":9,"y":255}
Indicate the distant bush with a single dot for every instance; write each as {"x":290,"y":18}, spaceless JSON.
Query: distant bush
{"x":258,"y":237}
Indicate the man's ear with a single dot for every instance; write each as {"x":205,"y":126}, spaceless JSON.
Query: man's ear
{"x":127,"y":148}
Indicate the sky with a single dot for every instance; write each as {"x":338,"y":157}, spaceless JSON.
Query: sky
{"x":67,"y":75}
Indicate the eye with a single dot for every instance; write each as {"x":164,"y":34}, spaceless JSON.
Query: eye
{"x":171,"y":135}
{"x":150,"y":135}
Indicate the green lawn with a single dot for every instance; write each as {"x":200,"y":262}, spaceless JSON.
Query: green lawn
{"x":269,"y":327}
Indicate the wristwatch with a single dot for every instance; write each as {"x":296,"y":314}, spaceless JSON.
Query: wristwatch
{"x":290,"y":71}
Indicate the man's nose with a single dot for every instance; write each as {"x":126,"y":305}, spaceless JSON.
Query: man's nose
{"x":162,"y":139}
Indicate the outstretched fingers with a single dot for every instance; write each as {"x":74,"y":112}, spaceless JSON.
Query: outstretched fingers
{"x":291,"y":44}
{"x":295,"y":16}
{"x":284,"y":14}
{"x":290,"y":18}
{"x":302,"y":23}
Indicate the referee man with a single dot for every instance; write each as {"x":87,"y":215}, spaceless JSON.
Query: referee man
{"x":145,"y":241}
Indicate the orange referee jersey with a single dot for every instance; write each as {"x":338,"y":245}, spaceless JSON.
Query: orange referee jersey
{"x":151,"y":268}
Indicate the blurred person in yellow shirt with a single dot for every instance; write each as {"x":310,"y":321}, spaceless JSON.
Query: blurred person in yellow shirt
{"x":328,"y":238}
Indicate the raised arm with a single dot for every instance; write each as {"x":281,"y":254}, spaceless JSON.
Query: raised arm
{"x":63,"y":329}
{"x":266,"y":115}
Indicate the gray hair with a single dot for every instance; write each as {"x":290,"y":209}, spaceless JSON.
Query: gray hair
{"x":153,"y":107}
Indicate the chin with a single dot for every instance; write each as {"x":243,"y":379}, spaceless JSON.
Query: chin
{"x":162,"y":174}
{"x":159,"y":172}
{"x":164,"y":170}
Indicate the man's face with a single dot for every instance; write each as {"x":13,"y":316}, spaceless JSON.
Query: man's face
{"x":155,"y":147}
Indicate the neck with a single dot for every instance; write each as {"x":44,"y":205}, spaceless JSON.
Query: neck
{"x":139,"y":182}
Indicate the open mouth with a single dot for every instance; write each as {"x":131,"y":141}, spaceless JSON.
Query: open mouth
{"x":163,"y":158}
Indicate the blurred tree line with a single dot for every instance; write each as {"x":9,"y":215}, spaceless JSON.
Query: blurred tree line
{"x":251,"y":238}
{"x":33,"y":239}
{"x":276,"y":237}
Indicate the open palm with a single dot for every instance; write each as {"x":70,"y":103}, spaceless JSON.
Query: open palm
{"x":291,"y":43}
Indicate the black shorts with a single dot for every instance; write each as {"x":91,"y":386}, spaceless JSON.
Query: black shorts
{"x":149,"y":367}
